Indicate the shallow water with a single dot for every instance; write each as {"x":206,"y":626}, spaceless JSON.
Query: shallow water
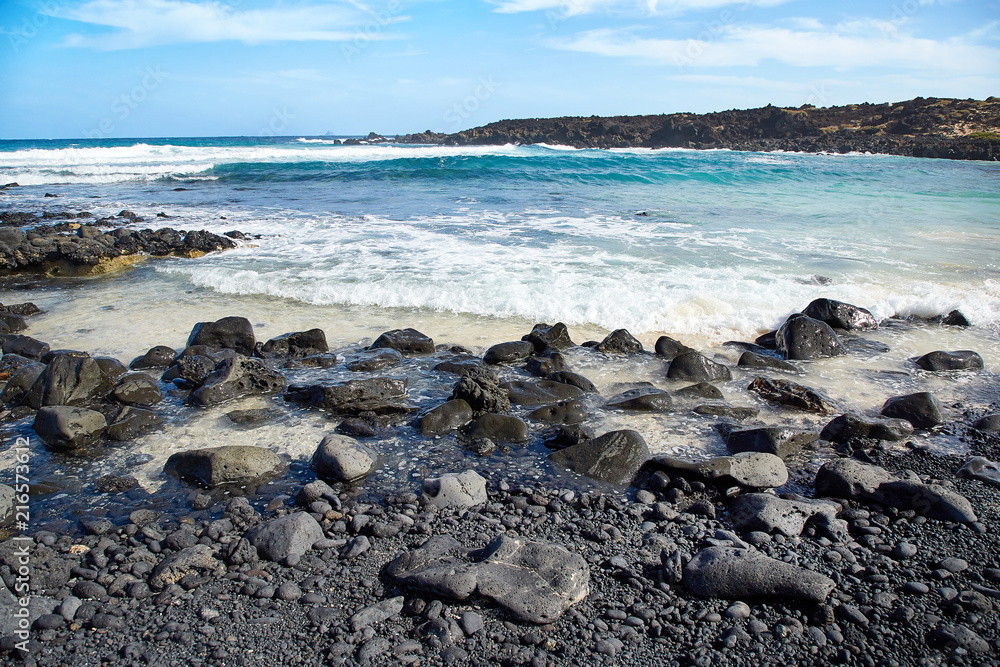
{"x":473,"y":246}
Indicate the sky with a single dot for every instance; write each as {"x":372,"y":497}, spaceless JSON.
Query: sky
{"x":184,"y":68}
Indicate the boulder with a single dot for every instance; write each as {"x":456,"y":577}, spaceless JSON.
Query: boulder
{"x":540,"y":392}
{"x":480,"y":388}
{"x":806,"y":338}
{"x":849,"y":426}
{"x":406,"y":341}
{"x":778,"y":440}
{"x":370,"y":394}
{"x":344,"y":459}
{"x":230,"y":464}
{"x":749,"y":469}
{"x":955,"y":318}
{"x":771,"y":514}
{"x":445,"y":418}
{"x":137,"y":389}
{"x":67,"y":380}
{"x":544,"y":366}
{"x":614,"y":457}
{"x":988,"y":424}
{"x":131,"y":422}
{"x":738,"y":574}
{"x":509,"y":353}
{"x":920,"y":409}
{"x":563,"y":412}
{"x":64,"y":428}
{"x":461,"y":363}
{"x":702,"y":390}
{"x":500,"y":428}
{"x":959,"y":360}
{"x":647,"y":399}
{"x":791,"y":395}
{"x":237,"y":377}
{"x":111,"y":367}
{"x":841,"y":315}
{"x":575,"y":379}
{"x":296,"y":344}
{"x":287,"y":538}
{"x":696,"y":367}
{"x":11,"y":363}
{"x":376,"y":360}
{"x":668,"y":348}
{"x":439,"y":566}
{"x":234,"y":333}
{"x":753,"y":360}
{"x":191,"y":370}
{"x":733,"y":412}
{"x":24,"y":346}
{"x":854,"y":480}
{"x":11,"y":322}
{"x":159,"y":356}
{"x":20,"y":383}
{"x":534,"y":581}
{"x":982,"y":469}
{"x":466,"y":489}
{"x":619,"y":341}
{"x":544,"y":337}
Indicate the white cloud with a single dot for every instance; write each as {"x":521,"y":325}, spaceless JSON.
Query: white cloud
{"x":843,"y":47}
{"x":567,"y":8}
{"x":140,"y":23}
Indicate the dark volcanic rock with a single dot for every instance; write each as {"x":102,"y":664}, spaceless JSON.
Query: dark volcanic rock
{"x":982,"y":469}
{"x":647,"y":400}
{"x":852,"y":479}
{"x":376,"y":360}
{"x":564,"y":412}
{"x":24,"y":346}
{"x":575,"y":379}
{"x":736,"y":574}
{"x":230,"y":464}
{"x":286,"y":538}
{"x":619,"y":341}
{"x":806,"y":338}
{"x":840,"y":315}
{"x":137,"y":389}
{"x":296,"y":344}
{"x":613,"y":457}
{"x":237,"y":378}
{"x":508,"y":353}
{"x":131,"y":422}
{"x":63,"y":427}
{"x":920,"y":409}
{"x":480,"y":388}
{"x":445,"y":418}
{"x":956,"y":319}
{"x":20,"y":383}
{"x":702,"y":390}
{"x":989,"y":423}
{"x":500,"y":428}
{"x":749,"y":469}
{"x":540,"y":392}
{"x":545,"y":337}
{"x":344,"y":459}
{"x":159,"y":356}
{"x":405,"y":341}
{"x":777,"y":440}
{"x":846,"y":427}
{"x":792,"y":395}
{"x":668,"y":348}
{"x":753,"y":360}
{"x":352,"y":396}
{"x":959,"y":360}
{"x":696,"y":367}
{"x":68,"y":380}
{"x":234,"y":333}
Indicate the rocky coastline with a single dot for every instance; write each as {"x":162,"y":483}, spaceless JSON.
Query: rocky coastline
{"x":889,"y":555}
{"x":922,"y":127}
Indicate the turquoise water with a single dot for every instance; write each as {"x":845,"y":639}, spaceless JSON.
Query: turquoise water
{"x":715,"y":244}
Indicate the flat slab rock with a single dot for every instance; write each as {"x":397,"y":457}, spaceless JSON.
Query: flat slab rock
{"x":982,"y":469}
{"x":771,"y":514}
{"x":535,"y":581}
{"x":737,"y":574}
{"x":758,"y":470}
{"x":614,"y":457}
{"x":852,"y":479}
{"x":229,"y":464}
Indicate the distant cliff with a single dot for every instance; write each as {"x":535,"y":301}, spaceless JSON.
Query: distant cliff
{"x":922,"y":127}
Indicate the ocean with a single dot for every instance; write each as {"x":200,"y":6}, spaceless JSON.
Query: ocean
{"x":474,"y":245}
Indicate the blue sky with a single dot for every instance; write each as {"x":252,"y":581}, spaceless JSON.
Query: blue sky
{"x":149,"y":68}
